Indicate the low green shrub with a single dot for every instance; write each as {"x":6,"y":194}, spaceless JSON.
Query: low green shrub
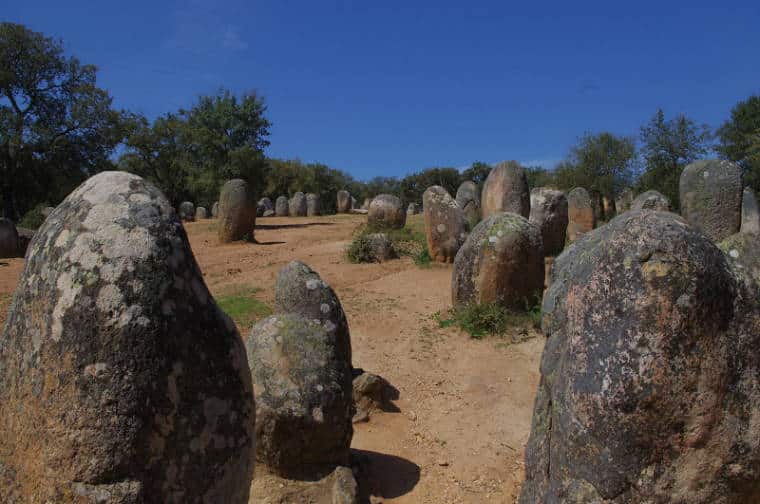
{"x":33,"y":219}
{"x":360,"y":250}
{"x":480,"y":320}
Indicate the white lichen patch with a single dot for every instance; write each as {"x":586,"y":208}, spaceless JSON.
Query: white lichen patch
{"x":68,"y":290}
{"x":312,"y":283}
{"x":109,"y":300}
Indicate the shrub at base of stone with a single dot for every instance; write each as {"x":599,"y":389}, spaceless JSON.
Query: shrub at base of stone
{"x":343,"y":201}
{"x":506,"y":190}
{"x":297,"y":205}
{"x":445,"y":224}
{"x":237,"y":212}
{"x":386,"y":211}
{"x":501,"y":262}
{"x":281,"y":206}
{"x":302,"y":388}
{"x":123,"y":382}
{"x":711,"y":197}
{"x":187,"y":211}
{"x":580,"y":213}
{"x":750,"y":212}
{"x":650,"y":378}
{"x":548,"y":211}
{"x":9,"y":240}
{"x":313,"y":205}
{"x":651,"y":200}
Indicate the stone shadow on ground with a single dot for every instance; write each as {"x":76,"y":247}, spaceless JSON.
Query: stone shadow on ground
{"x":256,"y":242}
{"x":384,"y":476}
{"x":292,"y":226}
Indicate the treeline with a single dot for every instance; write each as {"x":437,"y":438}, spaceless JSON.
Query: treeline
{"x":57,"y":127}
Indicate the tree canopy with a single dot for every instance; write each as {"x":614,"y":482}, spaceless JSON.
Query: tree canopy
{"x":738,"y":139}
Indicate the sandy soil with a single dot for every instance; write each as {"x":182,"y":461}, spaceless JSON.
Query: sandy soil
{"x":464,"y":405}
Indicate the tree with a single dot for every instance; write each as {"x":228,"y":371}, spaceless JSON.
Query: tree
{"x":738,"y":139}
{"x":414,"y":185}
{"x":539,"y":176}
{"x":55,"y":123}
{"x":477,"y":172}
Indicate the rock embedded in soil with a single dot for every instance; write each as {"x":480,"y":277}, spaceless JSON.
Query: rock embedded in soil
{"x":548,"y":211}
{"x":650,"y":382}
{"x":343,"y":201}
{"x":581,"y":218}
{"x":750,"y":213}
{"x":651,"y":200}
{"x":187,"y":211}
{"x":123,"y":381}
{"x":9,"y":239}
{"x":711,"y":197}
{"x":445,"y":224}
{"x":386,"y":211}
{"x":382,"y":247}
{"x":506,"y":190}
{"x":237,"y":212}
{"x":281,"y":206}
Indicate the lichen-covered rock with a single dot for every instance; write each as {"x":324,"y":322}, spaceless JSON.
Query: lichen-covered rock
{"x":281,"y":206}
{"x":743,"y":250}
{"x":299,"y":289}
{"x":750,"y":212}
{"x":381,"y":247}
{"x":650,"y":382}
{"x":263,"y":205}
{"x":122,"y":381}
{"x":580,"y":213}
{"x":506,"y":190}
{"x":651,"y":200}
{"x":345,"y":489}
{"x":343,"y":201}
{"x":9,"y":243}
{"x":548,"y":211}
{"x":302,"y":386}
{"x":297,"y":205}
{"x":313,"y":205}
{"x":46,"y":211}
{"x":237,"y":212}
{"x":187,"y":211}
{"x":215,"y":210}
{"x":501,"y":262}
{"x":711,"y":197}
{"x":445,"y":224}
{"x":201,"y":213}
{"x":386,"y":211}
{"x":468,"y":198}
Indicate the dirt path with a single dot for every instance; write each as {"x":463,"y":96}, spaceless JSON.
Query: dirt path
{"x":464,"y":405}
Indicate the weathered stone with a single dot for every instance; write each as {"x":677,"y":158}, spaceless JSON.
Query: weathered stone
{"x":344,"y":201}
{"x":299,"y":289}
{"x":651,"y":200}
{"x":750,"y":213}
{"x":237,"y":212}
{"x":123,"y":382}
{"x":354,"y":203}
{"x":263,"y":205}
{"x":313,"y":205}
{"x":711,"y":197}
{"x":386,"y":211}
{"x":581,"y":218}
{"x":268,"y":213}
{"x":187,"y":211}
{"x":302,"y":386}
{"x":297,"y":205}
{"x":506,"y":190}
{"x":650,"y":384}
{"x":445,"y":224}
{"x":548,"y":211}
{"x":412,"y":209}
{"x":365,"y":205}
{"x":344,"y":489}
{"x":201,"y":213}
{"x":9,"y":242}
{"x":215,"y":210}
{"x":624,"y":200}
{"x":281,"y":206}
{"x":46,"y":211}
{"x":468,"y":198}
{"x":743,"y":250}
{"x":369,"y":392}
{"x":502,"y":261}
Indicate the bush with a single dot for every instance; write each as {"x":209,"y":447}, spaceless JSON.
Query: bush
{"x":360,"y":250}
{"x":479,"y":320}
{"x":33,"y":219}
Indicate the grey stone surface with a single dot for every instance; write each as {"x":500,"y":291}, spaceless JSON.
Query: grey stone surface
{"x":297,"y":205}
{"x":386,"y":211}
{"x":750,"y":213}
{"x":548,"y":211}
{"x":506,"y":190}
{"x":711,"y":197}
{"x":651,"y":200}
{"x":445,"y":224}
{"x":237,"y":212}
{"x":313,"y":205}
{"x":187,"y":211}
{"x":344,"y":201}
{"x":580,"y":212}
{"x":281,"y":206}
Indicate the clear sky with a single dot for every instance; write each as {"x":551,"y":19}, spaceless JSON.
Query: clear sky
{"x":390,"y":87}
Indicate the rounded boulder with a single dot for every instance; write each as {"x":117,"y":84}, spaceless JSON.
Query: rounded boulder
{"x":506,"y":190}
{"x":651,"y":200}
{"x":281,"y":206}
{"x":343,"y":201}
{"x":445,"y":224}
{"x":313,"y":205}
{"x":237,"y":212}
{"x":297,"y":205}
{"x":386,"y":211}
{"x":187,"y":211}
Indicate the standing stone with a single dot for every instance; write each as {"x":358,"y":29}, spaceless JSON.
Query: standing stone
{"x":9,"y":242}
{"x":237,"y":212}
{"x":581,"y":218}
{"x":365,"y":205}
{"x":187,"y":211}
{"x":502,"y":261}
{"x":468,"y":198}
{"x":386,"y":211}
{"x":344,"y":201}
{"x":297,"y":205}
{"x":263,"y":205}
{"x":313,"y":205}
{"x":123,"y":382}
{"x":743,"y":250}
{"x":506,"y":190}
{"x":281,"y":206}
{"x":548,"y":211}
{"x":750,"y":213}
{"x":411,"y":209}
{"x":201,"y":213}
{"x":445,"y":224}
{"x":215,"y":210}
{"x":650,"y":384}
{"x":711,"y":197}
{"x":353,"y":203}
{"x":381,"y":247}
{"x":624,"y":200}
{"x":651,"y":200}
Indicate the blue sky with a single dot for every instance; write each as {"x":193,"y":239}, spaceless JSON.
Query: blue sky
{"x":387,"y":88}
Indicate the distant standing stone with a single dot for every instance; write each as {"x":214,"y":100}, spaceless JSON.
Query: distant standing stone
{"x":281,"y":206}
{"x":344,"y":201}
{"x":750,"y":213}
{"x":651,"y":200}
{"x":313,"y":205}
{"x":297,"y":205}
{"x":201,"y":213}
{"x":263,"y":205}
{"x":9,"y":241}
{"x":365,"y":205}
{"x":445,"y":224}
{"x":581,"y":218}
{"x":237,"y":212}
{"x":624,"y":200}
{"x":506,"y":190}
{"x":468,"y":198}
{"x":711,"y":197}
{"x":215,"y":210}
{"x":187,"y":211}
{"x":548,"y":211}
{"x":382,"y":247}
{"x":411,"y":209}
{"x":386,"y":211}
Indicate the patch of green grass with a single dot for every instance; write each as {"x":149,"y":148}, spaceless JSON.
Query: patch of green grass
{"x":408,"y":241}
{"x":242,"y":306}
{"x":493,"y":319}
{"x":422,"y":258}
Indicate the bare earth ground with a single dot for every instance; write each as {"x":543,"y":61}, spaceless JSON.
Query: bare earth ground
{"x":464,"y":405}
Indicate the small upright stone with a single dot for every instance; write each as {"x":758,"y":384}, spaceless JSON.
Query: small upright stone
{"x":9,"y":241}
{"x":445,"y":224}
{"x":187,"y":211}
{"x":297,"y":205}
{"x":506,"y":190}
{"x":711,"y":197}
{"x":237,"y":212}
{"x":381,"y":246}
{"x":750,"y":213}
{"x":313,"y":205}
{"x":263,"y":205}
{"x":215,"y":210}
{"x":468,"y":198}
{"x":501,"y":262}
{"x":201,"y":213}
{"x":651,"y":200}
{"x":548,"y":211}
{"x":581,"y":218}
{"x":344,"y":201}
{"x":354,"y":203}
{"x":386,"y":211}
{"x":411,"y":209}
{"x":281,"y":206}
{"x":365,"y":205}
